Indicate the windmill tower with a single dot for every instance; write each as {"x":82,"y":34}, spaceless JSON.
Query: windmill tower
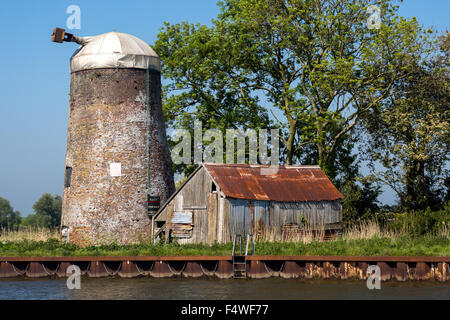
{"x":118,"y":166}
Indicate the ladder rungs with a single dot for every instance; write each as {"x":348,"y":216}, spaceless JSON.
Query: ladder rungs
{"x":239,"y":260}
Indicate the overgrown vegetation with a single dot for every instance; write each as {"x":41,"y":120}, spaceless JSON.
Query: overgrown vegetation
{"x":400,"y":246}
{"x":421,"y":222}
{"x":407,"y":236}
{"x":28,"y":234}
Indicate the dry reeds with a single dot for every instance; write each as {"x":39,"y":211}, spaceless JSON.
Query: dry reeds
{"x":369,"y":229}
{"x":444,"y":231}
{"x":308,"y":233}
{"x":362,"y":230}
{"x":293,"y":233}
{"x":28,"y":233}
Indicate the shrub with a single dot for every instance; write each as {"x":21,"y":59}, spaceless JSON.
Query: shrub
{"x":421,"y":222}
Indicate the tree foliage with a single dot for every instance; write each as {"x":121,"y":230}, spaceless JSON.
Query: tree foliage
{"x":9,"y":218}
{"x":311,"y":61}
{"x":317,"y":71}
{"x":360,"y":201}
{"x":199,"y":88}
{"x":409,"y":134}
{"x":47,"y":212}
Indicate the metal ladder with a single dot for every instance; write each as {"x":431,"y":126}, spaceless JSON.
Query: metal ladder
{"x":239,"y":261}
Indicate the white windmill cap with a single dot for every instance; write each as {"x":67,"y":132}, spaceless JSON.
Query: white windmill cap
{"x":114,"y":50}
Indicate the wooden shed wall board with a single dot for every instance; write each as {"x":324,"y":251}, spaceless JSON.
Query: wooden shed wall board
{"x":169,"y":212}
{"x":227,"y":236}
{"x":194,"y":194}
{"x":220,"y":219}
{"x":321,"y":212}
{"x":212,"y":218}
{"x":200,"y":226}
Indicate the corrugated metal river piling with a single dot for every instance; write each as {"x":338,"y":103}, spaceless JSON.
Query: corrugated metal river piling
{"x":220,"y":267}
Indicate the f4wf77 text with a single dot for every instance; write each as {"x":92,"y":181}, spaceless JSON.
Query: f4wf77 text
{"x":246,"y":309}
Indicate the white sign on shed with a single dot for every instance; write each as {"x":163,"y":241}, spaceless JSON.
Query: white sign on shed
{"x":115,"y":169}
{"x":184,"y":217}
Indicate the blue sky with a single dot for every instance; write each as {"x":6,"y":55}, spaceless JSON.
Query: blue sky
{"x":34,"y":77}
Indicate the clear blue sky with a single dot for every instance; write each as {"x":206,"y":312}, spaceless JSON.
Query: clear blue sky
{"x":34,"y":77}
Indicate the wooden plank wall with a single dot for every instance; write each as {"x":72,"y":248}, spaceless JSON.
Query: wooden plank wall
{"x":262,"y":217}
{"x":321,"y":212}
{"x":193,"y":197}
{"x":212,"y":218}
{"x":195,"y":192}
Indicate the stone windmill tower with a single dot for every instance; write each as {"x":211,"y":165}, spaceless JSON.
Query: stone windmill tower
{"x":118,"y":166}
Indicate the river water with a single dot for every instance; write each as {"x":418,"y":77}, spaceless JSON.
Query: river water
{"x":272,"y":288}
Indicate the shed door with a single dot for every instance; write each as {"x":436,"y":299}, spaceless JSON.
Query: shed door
{"x":248,"y":217}
{"x":239,"y":217}
{"x":260,"y":218}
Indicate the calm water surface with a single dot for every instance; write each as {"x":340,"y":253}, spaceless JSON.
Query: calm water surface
{"x":273,"y":288}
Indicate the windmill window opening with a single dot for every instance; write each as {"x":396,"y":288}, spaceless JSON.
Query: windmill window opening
{"x":68,"y":177}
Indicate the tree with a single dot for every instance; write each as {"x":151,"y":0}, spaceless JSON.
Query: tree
{"x":343,"y":165}
{"x":47,"y":212}
{"x":314,"y":61}
{"x":8,"y":217}
{"x":199,"y":87}
{"x":360,"y":200}
{"x":409,"y":134}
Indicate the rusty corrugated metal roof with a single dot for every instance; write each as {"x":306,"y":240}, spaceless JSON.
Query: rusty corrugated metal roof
{"x":287,"y":184}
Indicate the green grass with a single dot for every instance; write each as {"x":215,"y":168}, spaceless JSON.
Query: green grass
{"x":423,"y":246}
{"x":401,"y":246}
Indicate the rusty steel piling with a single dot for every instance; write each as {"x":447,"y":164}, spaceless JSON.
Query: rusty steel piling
{"x":220,"y":267}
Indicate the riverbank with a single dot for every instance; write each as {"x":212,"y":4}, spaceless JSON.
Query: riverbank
{"x":375,"y":246}
{"x":364,"y":239}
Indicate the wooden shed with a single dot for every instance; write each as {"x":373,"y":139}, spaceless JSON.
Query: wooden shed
{"x":220,"y":200}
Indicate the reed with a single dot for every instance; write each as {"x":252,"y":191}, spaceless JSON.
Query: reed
{"x":307,"y":234}
{"x":28,"y":233}
{"x":369,"y":229}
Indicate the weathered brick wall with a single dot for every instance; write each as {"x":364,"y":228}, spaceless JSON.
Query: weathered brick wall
{"x":107,"y":124}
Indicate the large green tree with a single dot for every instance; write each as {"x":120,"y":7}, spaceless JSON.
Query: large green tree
{"x":409,"y":134}
{"x":198,"y":86}
{"x":9,"y":218}
{"x":310,"y":63}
